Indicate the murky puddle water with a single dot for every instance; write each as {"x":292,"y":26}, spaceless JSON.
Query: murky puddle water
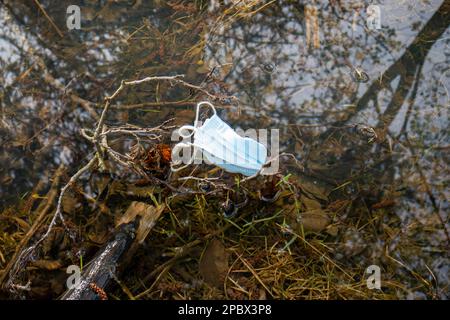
{"x":363,"y":107}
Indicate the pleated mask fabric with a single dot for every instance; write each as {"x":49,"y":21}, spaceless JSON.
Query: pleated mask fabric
{"x":221,"y":146}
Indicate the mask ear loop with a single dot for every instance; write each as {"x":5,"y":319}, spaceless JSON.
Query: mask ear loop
{"x":186,"y":128}
{"x":181,"y":145}
{"x":195,"y":126}
{"x":198,"y":111}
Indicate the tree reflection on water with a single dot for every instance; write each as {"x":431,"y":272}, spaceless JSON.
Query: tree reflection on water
{"x":293,"y":65}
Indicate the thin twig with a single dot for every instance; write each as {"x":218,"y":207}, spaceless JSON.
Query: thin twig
{"x":58,"y":31}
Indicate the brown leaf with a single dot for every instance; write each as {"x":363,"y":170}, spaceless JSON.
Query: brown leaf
{"x":46,"y":264}
{"x":338,"y":205}
{"x":149,"y":215}
{"x":203,"y":68}
{"x":314,"y":189}
{"x":70,"y":202}
{"x":384,"y":204}
{"x":214,"y":264}
{"x":22,"y":223}
{"x":99,"y":237}
{"x":315,"y":220}
{"x":310,"y":204}
{"x":333,"y":230}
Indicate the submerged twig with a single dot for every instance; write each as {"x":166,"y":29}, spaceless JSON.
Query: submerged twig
{"x":58,"y":31}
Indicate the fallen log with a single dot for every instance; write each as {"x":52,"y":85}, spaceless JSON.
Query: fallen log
{"x":112,"y":258}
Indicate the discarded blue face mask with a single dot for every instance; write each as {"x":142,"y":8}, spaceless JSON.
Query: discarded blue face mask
{"x":221,"y":146}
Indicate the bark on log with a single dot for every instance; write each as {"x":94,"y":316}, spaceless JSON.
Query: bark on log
{"x":113,"y":257}
{"x":102,"y":268}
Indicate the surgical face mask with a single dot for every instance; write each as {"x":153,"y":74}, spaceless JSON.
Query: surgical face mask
{"x":221,"y":146}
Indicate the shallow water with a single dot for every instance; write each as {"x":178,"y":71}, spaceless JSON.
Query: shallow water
{"x":290,"y":70}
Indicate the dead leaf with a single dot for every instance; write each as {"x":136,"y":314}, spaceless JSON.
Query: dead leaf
{"x":22,"y":223}
{"x":309,"y":203}
{"x":338,"y":205}
{"x":47,"y":264}
{"x":214,"y":264}
{"x":315,"y":220}
{"x":138,"y":191}
{"x":332,"y":230}
{"x":262,"y":294}
{"x":314,"y":189}
{"x":99,"y":237}
{"x":384,"y":204}
{"x":70,"y":202}
{"x":149,"y":215}
{"x":203,"y":69}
